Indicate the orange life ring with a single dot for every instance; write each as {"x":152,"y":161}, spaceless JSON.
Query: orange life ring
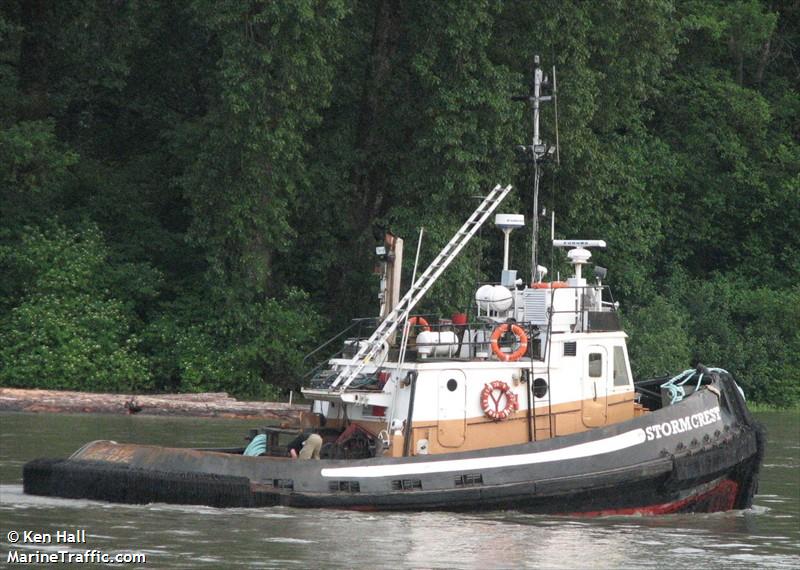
{"x":495,"y":412}
{"x":520,"y":334}
{"x":553,"y":285}
{"x":419,"y":322}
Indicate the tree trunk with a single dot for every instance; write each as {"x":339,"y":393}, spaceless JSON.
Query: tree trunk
{"x":369,"y":177}
{"x":33,"y":58}
{"x":762,"y":61}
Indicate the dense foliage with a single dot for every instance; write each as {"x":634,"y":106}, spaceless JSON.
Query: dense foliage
{"x":188,"y":190}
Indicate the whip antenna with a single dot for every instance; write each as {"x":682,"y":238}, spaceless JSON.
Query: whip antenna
{"x":555,"y":107}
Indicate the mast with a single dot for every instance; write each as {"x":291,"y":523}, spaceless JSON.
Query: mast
{"x":537,"y":152}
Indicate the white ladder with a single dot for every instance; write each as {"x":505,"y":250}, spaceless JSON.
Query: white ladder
{"x":401,"y":311}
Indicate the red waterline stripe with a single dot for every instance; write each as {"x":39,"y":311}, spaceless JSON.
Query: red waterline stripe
{"x":723,"y":497}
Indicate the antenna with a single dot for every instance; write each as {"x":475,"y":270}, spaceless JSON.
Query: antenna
{"x":555,"y":107}
{"x":537,"y":151}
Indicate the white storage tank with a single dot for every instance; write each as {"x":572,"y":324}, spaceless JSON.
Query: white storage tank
{"x":495,"y":298}
{"x":482,"y":296}
{"x":433,"y":343}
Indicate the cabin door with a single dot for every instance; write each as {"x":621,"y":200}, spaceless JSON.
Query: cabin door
{"x":594,"y":403}
{"x":452,"y":421}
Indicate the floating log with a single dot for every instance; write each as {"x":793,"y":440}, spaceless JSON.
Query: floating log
{"x":210,"y":404}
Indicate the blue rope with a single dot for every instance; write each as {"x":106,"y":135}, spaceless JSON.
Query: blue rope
{"x":676,"y":393}
{"x":674,"y":385}
{"x":258,"y":446}
{"x":699,"y":379}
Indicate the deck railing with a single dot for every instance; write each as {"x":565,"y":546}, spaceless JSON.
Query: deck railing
{"x":474,"y":337}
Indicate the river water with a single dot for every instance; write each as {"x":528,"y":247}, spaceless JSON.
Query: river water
{"x":766,"y":536}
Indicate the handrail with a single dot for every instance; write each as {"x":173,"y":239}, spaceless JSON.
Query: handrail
{"x":355,"y":322}
{"x":338,"y":335}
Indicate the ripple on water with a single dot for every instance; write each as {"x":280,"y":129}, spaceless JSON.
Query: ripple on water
{"x":43,"y":547}
{"x":183,"y":532}
{"x":13,"y":496}
{"x":687,"y":550}
{"x":164,"y":550}
{"x":264,"y":514}
{"x":762,"y":560}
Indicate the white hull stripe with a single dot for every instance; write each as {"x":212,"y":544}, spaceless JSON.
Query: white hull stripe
{"x":599,"y":447}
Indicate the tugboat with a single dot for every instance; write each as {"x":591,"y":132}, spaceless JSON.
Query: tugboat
{"x":530,"y":405}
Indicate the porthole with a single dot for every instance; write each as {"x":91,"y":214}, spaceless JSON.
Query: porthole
{"x":452,"y":384}
{"x":539,"y":388}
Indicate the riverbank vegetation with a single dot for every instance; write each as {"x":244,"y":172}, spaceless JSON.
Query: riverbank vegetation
{"x":190,"y":189}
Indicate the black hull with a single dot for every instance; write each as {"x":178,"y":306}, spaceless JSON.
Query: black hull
{"x":709,"y":461}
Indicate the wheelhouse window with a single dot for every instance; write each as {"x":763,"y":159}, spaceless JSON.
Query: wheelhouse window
{"x":595,"y":365}
{"x":620,"y":368}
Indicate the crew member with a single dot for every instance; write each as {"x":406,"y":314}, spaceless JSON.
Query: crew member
{"x":311,"y":447}
{"x":305,"y":447}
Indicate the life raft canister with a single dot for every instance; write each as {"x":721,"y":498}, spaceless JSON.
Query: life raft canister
{"x":419,"y":322}
{"x":519,"y":332}
{"x":492,"y":409}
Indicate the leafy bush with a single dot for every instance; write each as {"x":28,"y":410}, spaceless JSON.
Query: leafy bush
{"x":659,"y":338}
{"x":752,"y":332}
{"x":73,"y":342}
{"x":252,"y":352}
{"x":65,"y":330}
{"x":722,"y":322}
